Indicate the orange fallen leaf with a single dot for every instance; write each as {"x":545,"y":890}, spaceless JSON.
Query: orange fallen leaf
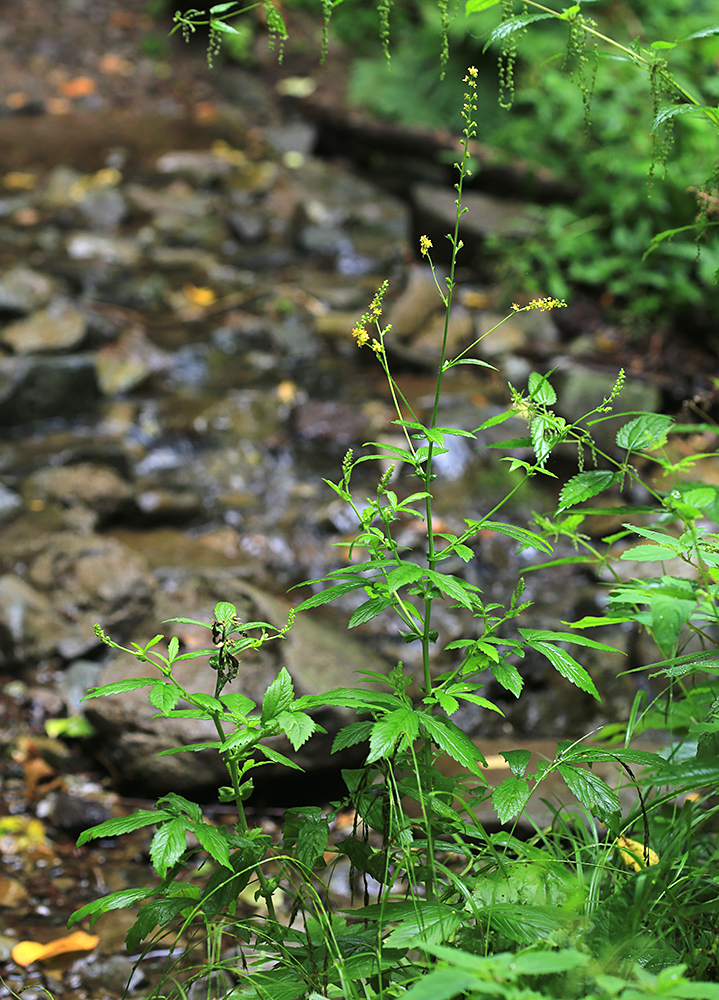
{"x":19,"y":180}
{"x":26,"y":952}
{"x":79,"y":86}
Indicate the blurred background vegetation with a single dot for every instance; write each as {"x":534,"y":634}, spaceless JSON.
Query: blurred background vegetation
{"x":596,"y":239}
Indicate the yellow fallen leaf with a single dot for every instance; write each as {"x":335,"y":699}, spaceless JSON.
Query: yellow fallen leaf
{"x":199,"y":296}
{"x":18,"y":180}
{"x":632,"y":854}
{"x":26,"y":952}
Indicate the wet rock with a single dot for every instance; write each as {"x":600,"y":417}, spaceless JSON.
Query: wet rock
{"x":97,"y":487}
{"x":104,"y":209}
{"x":99,"y":249}
{"x":92,"y":579}
{"x":60,"y":327}
{"x":117,"y":975}
{"x":435,"y":212}
{"x":416,"y":304}
{"x":168,"y":506}
{"x":200,"y":167}
{"x":60,"y":187}
{"x":72,"y":815}
{"x":427,"y":345}
{"x":29,"y":627}
{"x":177,"y":198}
{"x":126,"y":364}
{"x":36,"y":388}
{"x":580,"y":388}
{"x":11,"y":503}
{"x":250,"y":228}
{"x":317,"y":656}
{"x":23,"y":290}
{"x":326,"y":420}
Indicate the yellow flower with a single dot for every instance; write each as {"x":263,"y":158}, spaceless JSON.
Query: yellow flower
{"x":360,"y":335}
{"x":425,"y":245}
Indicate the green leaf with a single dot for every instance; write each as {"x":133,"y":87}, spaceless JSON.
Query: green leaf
{"x":238,"y":704}
{"x":276,"y":757}
{"x":164,"y":696}
{"x":518,"y":761}
{"x":214,"y":841}
{"x":361,"y":701}
{"x":510,"y":797}
{"x":567,"y":666}
{"x":541,"y":963}
{"x":401,"y":725}
{"x":190,"y":747}
{"x":669,"y":617}
{"x":703,"y":33}
{"x":278,"y":696}
{"x":356,"y":732}
{"x":173,"y":647}
{"x":297,"y":727}
{"x":541,"y":389}
{"x":306,"y":830}
{"x":124,"y":824}
{"x":645,"y":432}
{"x":591,"y":790}
{"x":225,"y":612}
{"x":451,"y":586}
{"x":546,"y":635}
{"x":585,"y":485}
{"x":431,"y":923}
{"x":650,"y":553}
{"x":209,"y":703}
{"x":369,"y":610}
{"x":443,"y":984}
{"x":454,"y":742}
{"x":447,"y":702}
{"x":113,"y":901}
{"x":168,"y":845}
{"x":508,"y":676}
{"x":406,"y":573}
{"x":475,"y":6}
{"x":120,"y":687}
{"x":528,"y":539}
{"x":332,"y":593}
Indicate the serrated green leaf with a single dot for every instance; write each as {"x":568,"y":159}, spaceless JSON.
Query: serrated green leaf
{"x":123,"y":824}
{"x":443,"y":984}
{"x":208,"y":702}
{"x":541,"y":963}
{"x":528,"y":539}
{"x":510,"y":798}
{"x":547,"y":635}
{"x":277,"y":758}
{"x":168,"y":845}
{"x":306,"y":830}
{"x":214,"y":842}
{"x":332,"y":593}
{"x":650,"y":553}
{"x":447,"y":702}
{"x":669,"y":617}
{"x":356,"y":732}
{"x":541,"y":389}
{"x":508,"y":676}
{"x":190,"y":747}
{"x":356,"y":698}
{"x":567,"y":666}
{"x":120,"y":687}
{"x":585,"y":485}
{"x":278,"y":696}
{"x":431,"y":923}
{"x":396,"y":728}
{"x":451,"y":586}
{"x":591,"y":790}
{"x":297,"y":727}
{"x":645,"y":432}
{"x":454,"y":742}
{"x":173,"y":647}
{"x":369,"y":610}
{"x":518,"y":761}
{"x":164,"y":696}
{"x":406,"y":573}
{"x":113,"y":901}
{"x":238,"y":704}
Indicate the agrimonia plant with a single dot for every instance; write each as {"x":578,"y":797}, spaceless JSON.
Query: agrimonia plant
{"x":428,"y":872}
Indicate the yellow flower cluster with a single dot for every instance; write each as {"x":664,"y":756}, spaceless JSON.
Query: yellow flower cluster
{"x":425,"y":245}
{"x":359,"y":331}
{"x":544,"y":304}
